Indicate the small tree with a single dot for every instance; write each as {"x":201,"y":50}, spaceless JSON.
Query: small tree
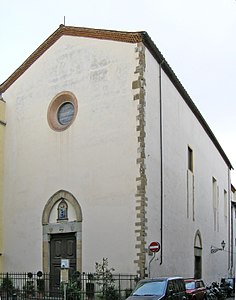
{"x":104,"y":279}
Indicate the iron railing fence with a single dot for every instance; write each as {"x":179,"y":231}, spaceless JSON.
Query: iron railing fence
{"x":81,"y":286}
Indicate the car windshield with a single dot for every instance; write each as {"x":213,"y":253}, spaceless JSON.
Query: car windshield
{"x":190,"y":285}
{"x":150,"y":288}
{"x":229,"y":281}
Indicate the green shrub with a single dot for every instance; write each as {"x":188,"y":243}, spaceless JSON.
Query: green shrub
{"x":73,"y":291}
{"x":7,"y":285}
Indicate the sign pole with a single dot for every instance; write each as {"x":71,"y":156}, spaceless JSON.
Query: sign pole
{"x":65,"y":264}
{"x":154,"y":247}
{"x":149,"y":266}
{"x":64,"y":285}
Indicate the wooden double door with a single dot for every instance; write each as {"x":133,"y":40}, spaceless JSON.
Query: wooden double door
{"x":62,"y":246}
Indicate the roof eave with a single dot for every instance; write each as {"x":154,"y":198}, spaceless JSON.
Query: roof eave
{"x":102,"y":34}
{"x":174,"y":79}
{"x":129,"y":37}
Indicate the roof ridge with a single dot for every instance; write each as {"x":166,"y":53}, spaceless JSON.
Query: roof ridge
{"x":122,"y":36}
{"x":102,"y":34}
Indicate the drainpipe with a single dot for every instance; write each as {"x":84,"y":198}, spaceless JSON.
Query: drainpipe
{"x":161,"y":159}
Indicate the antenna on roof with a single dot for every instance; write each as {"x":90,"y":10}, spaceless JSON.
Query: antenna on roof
{"x":64,"y":21}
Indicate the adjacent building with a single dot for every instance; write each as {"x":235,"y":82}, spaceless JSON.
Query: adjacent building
{"x":106,"y":152}
{"x":233,"y":230}
{"x":2,"y":129}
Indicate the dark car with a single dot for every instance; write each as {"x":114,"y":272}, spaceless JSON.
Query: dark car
{"x":195,"y":288}
{"x":172,"y":288}
{"x":228,"y":286}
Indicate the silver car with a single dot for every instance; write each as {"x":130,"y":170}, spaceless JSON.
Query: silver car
{"x":172,"y":288}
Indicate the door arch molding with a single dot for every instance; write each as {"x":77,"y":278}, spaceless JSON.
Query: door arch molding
{"x":69,"y":226}
{"x":54,"y":199}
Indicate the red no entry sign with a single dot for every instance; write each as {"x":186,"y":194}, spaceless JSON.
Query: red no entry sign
{"x":154,"y":246}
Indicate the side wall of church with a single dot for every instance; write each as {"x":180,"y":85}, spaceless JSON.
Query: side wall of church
{"x":184,"y":201}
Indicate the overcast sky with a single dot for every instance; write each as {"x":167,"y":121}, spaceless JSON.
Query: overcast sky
{"x":197,"y":38}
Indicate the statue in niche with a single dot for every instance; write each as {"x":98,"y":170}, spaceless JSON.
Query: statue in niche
{"x":62,"y":210}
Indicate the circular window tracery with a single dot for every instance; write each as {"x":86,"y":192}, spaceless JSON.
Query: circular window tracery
{"x":65,"y":113}
{"x":62,"y":111}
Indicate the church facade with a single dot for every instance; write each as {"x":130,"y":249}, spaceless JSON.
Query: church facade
{"x":104,"y":153}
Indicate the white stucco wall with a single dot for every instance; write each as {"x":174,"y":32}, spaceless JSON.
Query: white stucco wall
{"x":89,"y":159}
{"x":95,"y":161}
{"x":153,"y":157}
{"x":180,"y":130}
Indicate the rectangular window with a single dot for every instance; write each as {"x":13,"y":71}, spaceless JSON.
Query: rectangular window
{"x":190,"y":159}
{"x":190,"y":185}
{"x":214,"y":192}
{"x":215,"y":200}
{"x":225,"y":203}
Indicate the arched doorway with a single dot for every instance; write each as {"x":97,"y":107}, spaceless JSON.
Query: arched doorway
{"x":62,"y":234}
{"x":198,"y":255}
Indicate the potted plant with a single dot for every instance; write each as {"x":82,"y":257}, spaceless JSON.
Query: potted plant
{"x":29,"y":289}
{"x":40,"y":287}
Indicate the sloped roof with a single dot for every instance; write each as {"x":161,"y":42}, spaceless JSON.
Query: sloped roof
{"x":121,"y":36}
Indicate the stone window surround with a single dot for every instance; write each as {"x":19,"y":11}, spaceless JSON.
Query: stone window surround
{"x":55,"y":104}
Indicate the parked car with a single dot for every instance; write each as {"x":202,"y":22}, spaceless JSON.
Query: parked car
{"x":195,"y":288}
{"x":228,"y":286}
{"x":172,"y":288}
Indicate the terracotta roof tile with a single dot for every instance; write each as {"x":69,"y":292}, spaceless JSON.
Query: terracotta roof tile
{"x":102,"y":34}
{"x":121,"y":36}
